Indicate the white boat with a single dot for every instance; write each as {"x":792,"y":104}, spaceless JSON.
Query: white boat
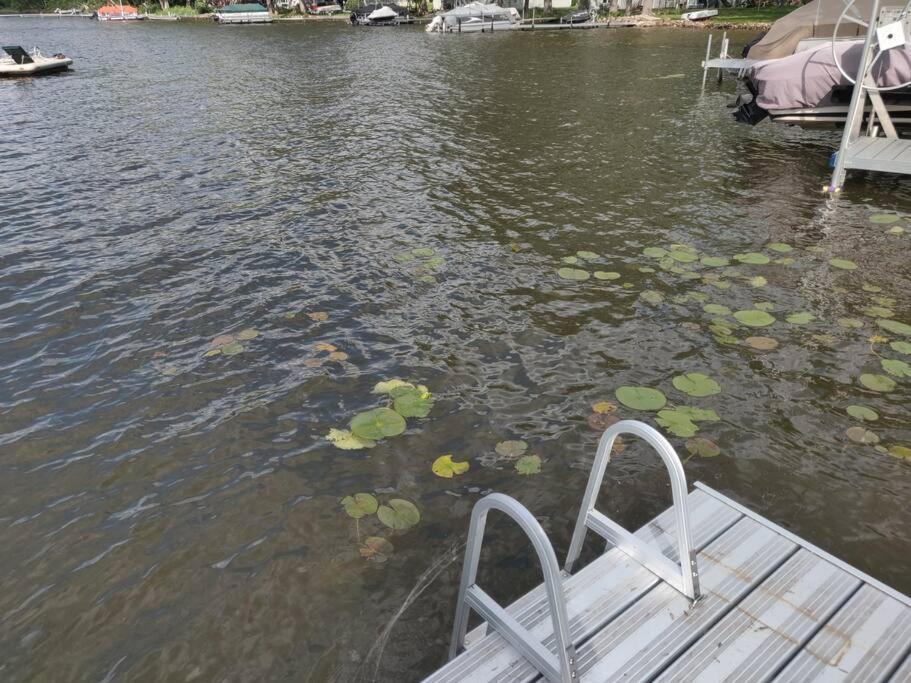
{"x":243,"y":13}
{"x":383,"y":14}
{"x":379,"y":15}
{"x":699,"y":15}
{"x":22,"y":63}
{"x":476,"y":17}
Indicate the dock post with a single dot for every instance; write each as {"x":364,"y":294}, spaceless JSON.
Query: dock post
{"x":724,"y":53}
{"x":708,"y":54}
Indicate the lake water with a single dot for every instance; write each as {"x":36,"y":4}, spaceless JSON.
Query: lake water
{"x":167,"y":515}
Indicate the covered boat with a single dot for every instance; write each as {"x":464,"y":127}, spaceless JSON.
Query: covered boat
{"x":476,"y":17}
{"x":243,"y":13}
{"x":118,"y":13}
{"x":18,"y":62}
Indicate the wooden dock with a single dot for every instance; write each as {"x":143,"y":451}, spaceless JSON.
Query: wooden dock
{"x":770,"y":605}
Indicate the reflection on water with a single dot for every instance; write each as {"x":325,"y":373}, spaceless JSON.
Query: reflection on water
{"x":169,"y":515}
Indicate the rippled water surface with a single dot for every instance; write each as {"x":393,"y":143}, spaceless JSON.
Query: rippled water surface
{"x":170,"y":516}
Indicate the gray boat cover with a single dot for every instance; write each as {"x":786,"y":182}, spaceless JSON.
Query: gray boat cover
{"x":816,"y":19}
{"x":805,"y":80}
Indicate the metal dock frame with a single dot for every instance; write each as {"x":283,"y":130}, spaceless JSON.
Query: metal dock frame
{"x":869,"y":152}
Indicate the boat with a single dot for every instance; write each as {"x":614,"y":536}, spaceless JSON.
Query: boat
{"x":699,"y":15}
{"x":476,"y":17}
{"x":243,"y":13}
{"x":22,"y":63}
{"x":378,"y":14}
{"x":67,"y":12}
{"x":117,"y":13}
{"x":580,"y":17}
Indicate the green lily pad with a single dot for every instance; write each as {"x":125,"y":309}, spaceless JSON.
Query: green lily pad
{"x":528,"y":464}
{"x":761,"y":343}
{"x":696,"y":384}
{"x":766,"y":306}
{"x":901,"y":347}
{"x":879,"y":383}
{"x":899,"y":368}
{"x":641,"y":398}
{"x":641,"y":269}
{"x":654,"y":252}
{"x":412,"y":403}
{"x":758,"y":281}
{"x":879,"y":312}
{"x":399,"y":514}
{"x":359,"y":505}
{"x":344,"y":439}
{"x":606,"y":275}
{"x":677,"y":423}
{"x":571,"y":260}
{"x":862,"y":413}
{"x":422,"y":252}
{"x":884,"y":218}
{"x":683,"y":256}
{"x":377,"y":424}
{"x":874,"y":289}
{"x":446,"y":468}
{"x":699,"y":414}
{"x":780,"y":247}
{"x":388,"y":386}
{"x":785,"y":261}
{"x":572,"y":274}
{"x":232,"y":349}
{"x":900,"y":451}
{"x":861,"y":435}
{"x":726,"y":339}
{"x":894,"y":326}
{"x":511,"y":449}
{"x":842,"y":263}
{"x":212,"y":352}
{"x":850,"y":323}
{"x":404,"y":257}
{"x":247,"y":334}
{"x":587,"y":255}
{"x":801,"y":318}
{"x":887,"y":301}
{"x":652,"y":297}
{"x":754,"y":318}
{"x":714,"y":261}
{"x":753,"y":258}
{"x":704,"y":448}
{"x":716,"y":309}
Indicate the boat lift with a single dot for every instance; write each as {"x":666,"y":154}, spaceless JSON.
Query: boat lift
{"x":723,"y":62}
{"x":707,"y":591}
{"x":870,"y":151}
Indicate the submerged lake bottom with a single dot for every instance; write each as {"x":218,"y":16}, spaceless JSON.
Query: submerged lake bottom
{"x":257,"y":283}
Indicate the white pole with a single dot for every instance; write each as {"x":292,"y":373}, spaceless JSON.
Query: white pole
{"x":708,"y":53}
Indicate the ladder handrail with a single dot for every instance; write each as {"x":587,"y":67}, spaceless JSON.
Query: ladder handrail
{"x":685,"y":576}
{"x":559,"y":669}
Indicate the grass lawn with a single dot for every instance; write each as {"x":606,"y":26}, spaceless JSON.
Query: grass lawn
{"x":738,"y":15}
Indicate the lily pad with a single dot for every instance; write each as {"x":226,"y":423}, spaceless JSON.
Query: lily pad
{"x":862,"y":413}
{"x":801,"y":318}
{"x":641,"y":398}
{"x":901,"y":347}
{"x":754,"y":318}
{"x":758,"y":281}
{"x":699,"y":414}
{"x":696,"y":384}
{"x":446,"y":468}
{"x":232,"y":349}
{"x":377,"y":424}
{"x":879,"y":383}
{"x":894,"y":326}
{"x":900,"y":451}
{"x":896,"y":230}
{"x":601,"y":421}
{"x":867,"y":287}
{"x":654,"y":252}
{"x":571,"y":260}
{"x":511,"y":449}
{"x":677,"y":423}
{"x":388,"y":386}
{"x":572,"y":274}
{"x":247,"y":334}
{"x":785,"y":261}
{"x":761,"y":343}
{"x":338,"y":356}
{"x":683,"y":256}
{"x":423,"y":252}
{"x":528,"y":464}
{"x":376,"y":549}
{"x":212,"y":352}
{"x":753,"y":258}
{"x":399,"y":514}
{"x":861,"y":435}
{"x":325,"y":346}
{"x":344,"y":439}
{"x":766,"y":306}
{"x":842,"y":263}
{"x":221,"y":340}
{"x":606,"y":275}
{"x":879,"y":312}
{"x":704,"y":448}
{"x":359,"y":505}
{"x":587,"y":255}
{"x":884,"y":218}
{"x":318,"y":316}
{"x":899,"y":368}
{"x":412,"y":403}
{"x":652,"y":297}
{"x":850,"y":323}
{"x":780,"y":247}
{"x":604,"y":407}
{"x":716,"y":309}
{"x":714,"y":261}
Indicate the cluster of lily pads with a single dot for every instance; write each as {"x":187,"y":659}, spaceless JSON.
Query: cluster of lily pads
{"x":513,"y":451}
{"x":572,"y":271}
{"x":230,"y":344}
{"x":423,"y":263}
{"x":325,"y":352}
{"x":403,"y":399}
{"x":397,"y":514}
{"x":315,"y":316}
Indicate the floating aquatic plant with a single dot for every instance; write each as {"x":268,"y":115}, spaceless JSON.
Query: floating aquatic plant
{"x":704,"y":448}
{"x":900,"y":451}
{"x":842,"y":263}
{"x":606,"y":275}
{"x":861,"y":435}
{"x":901,"y":347}
{"x":446,"y":468}
{"x":344,"y":439}
{"x":360,"y":505}
{"x":716,"y":309}
{"x":714,"y":261}
{"x":412,"y":402}
{"x":899,"y":368}
{"x":894,"y":326}
{"x":247,"y":334}
{"x":604,"y":407}
{"x":862,"y":413}
{"x":573,"y":274}
{"x":318,"y":316}
{"x":696,"y":384}
{"x":641,"y":398}
{"x":879,"y":383}
{"x":801,"y":318}
{"x":884,"y":218}
{"x":528,"y":464}
{"x":780,"y":247}
{"x":587,"y":255}
{"x":377,"y":424}
{"x":754,"y":318}
{"x":761,"y":343}
{"x":398,"y":514}
{"x":511,"y":449}
{"x":752,"y":258}
{"x":376,"y":549}
{"x":652,"y":297}
{"x":677,"y":423}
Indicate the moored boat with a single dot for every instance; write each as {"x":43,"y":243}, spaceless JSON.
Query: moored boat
{"x":476,"y":17}
{"x":243,"y":13}
{"x":117,"y":13}
{"x":22,"y":63}
{"x":699,"y":15}
{"x":378,"y":14}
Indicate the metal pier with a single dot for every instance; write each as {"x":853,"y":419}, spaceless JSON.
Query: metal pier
{"x":707,"y":591}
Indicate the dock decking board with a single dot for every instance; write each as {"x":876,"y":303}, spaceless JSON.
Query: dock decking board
{"x":773,"y":607}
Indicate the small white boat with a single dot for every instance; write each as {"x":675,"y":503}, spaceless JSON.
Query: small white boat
{"x":22,"y":63}
{"x":476,"y":17}
{"x":381,"y":15}
{"x":700,"y":15}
